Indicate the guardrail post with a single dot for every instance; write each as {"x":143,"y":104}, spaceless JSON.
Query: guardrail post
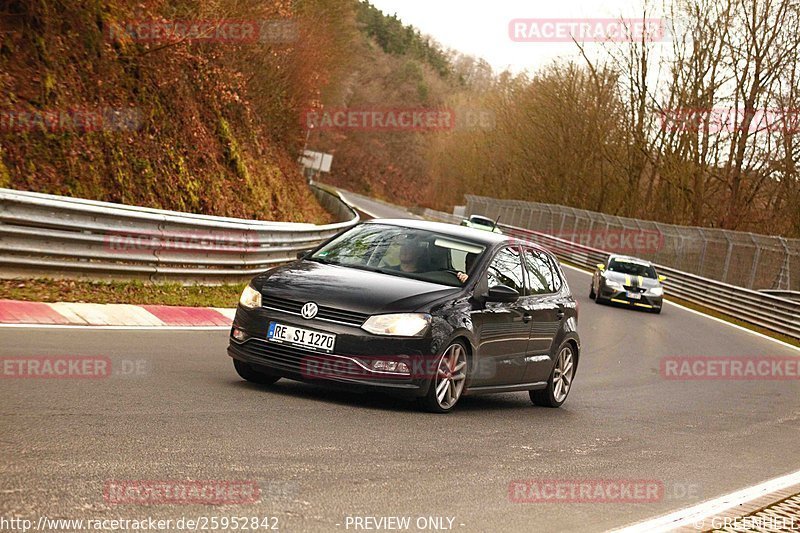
{"x":727,"y":258}
{"x":756,"y":257}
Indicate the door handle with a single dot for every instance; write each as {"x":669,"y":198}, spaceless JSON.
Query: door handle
{"x":527,"y":317}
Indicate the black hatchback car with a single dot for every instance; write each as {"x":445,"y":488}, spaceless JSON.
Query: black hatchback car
{"x":429,"y":310}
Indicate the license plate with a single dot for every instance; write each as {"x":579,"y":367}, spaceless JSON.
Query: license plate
{"x":634,"y":295}
{"x":304,"y":338}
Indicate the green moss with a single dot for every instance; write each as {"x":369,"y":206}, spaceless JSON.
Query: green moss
{"x":5,"y":176}
{"x":49,"y":86}
{"x":232,"y":150}
{"x":41,"y":49}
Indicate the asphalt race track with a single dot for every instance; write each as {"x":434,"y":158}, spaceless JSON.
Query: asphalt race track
{"x":174,"y":409}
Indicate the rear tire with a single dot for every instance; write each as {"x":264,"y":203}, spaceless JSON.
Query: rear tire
{"x":560,"y":382}
{"x":247,"y":372}
{"x":446,"y":386}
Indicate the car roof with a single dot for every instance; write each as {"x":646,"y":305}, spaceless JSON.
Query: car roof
{"x":478,"y":235}
{"x":630,"y":259}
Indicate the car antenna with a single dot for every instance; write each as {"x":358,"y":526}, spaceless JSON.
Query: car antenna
{"x":495,"y":222}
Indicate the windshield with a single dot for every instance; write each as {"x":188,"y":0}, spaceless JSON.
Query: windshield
{"x":482,"y":221}
{"x":404,"y":252}
{"x":631,"y":268}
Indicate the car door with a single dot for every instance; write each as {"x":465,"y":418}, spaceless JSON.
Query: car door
{"x":502,"y":327}
{"x":543,"y":304}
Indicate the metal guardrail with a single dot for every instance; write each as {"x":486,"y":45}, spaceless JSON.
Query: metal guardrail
{"x":43,"y":234}
{"x":736,"y":257}
{"x":754,"y":307}
{"x":786,"y":295}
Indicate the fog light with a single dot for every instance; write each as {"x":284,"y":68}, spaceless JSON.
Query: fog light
{"x":238,"y":334}
{"x":390,"y":366}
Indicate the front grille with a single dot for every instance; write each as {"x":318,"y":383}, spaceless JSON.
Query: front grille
{"x":308,"y":364}
{"x":330,"y":314}
{"x":277,"y":355}
{"x":635,"y":288}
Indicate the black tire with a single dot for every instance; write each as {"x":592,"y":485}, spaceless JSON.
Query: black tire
{"x":249,"y":373}
{"x":549,"y":396}
{"x":430,"y":402}
{"x":592,"y":295}
{"x":657,"y":310}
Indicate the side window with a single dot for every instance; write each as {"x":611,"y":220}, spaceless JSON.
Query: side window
{"x":543,"y":275}
{"x":506,"y":269}
{"x":558,"y":281}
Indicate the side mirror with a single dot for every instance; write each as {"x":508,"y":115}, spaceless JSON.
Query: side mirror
{"x":503,"y":293}
{"x":601,"y":267}
{"x":662,"y":278}
{"x":302,"y":254}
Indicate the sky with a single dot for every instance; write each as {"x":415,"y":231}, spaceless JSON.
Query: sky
{"x":481,"y":27}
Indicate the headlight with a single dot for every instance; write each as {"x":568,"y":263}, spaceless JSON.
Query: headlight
{"x":250,"y":298}
{"x":400,"y":324}
{"x":611,"y":284}
{"x":655,"y":291}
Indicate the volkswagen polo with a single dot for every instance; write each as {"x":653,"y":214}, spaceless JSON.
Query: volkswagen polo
{"x":422,"y":309}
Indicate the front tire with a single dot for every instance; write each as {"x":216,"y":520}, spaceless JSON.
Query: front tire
{"x":592,"y":294}
{"x":560,"y":382}
{"x":247,"y":372}
{"x":448,"y":383}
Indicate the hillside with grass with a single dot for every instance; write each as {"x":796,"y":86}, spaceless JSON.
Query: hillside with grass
{"x":92,"y":107}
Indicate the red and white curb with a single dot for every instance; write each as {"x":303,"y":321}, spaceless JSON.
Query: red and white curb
{"x":18,"y":313}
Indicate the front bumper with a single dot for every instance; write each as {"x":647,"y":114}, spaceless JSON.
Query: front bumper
{"x":348,"y":365}
{"x":645,"y":301}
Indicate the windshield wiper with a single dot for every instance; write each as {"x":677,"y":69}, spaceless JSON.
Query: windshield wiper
{"x":322,"y":260}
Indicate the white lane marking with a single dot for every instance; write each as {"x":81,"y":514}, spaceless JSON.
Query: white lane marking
{"x":106,"y":314}
{"x":105,"y":328}
{"x":696,"y":515}
{"x":226,"y":312}
{"x":721,"y":321}
{"x":351,"y":203}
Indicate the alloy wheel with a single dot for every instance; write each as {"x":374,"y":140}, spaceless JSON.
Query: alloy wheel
{"x":451,"y":374}
{"x":563,"y":373}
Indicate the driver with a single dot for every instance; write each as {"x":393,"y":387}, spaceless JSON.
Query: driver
{"x":411,"y":257}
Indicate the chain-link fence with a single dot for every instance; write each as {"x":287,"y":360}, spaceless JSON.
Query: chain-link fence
{"x":735,"y":257}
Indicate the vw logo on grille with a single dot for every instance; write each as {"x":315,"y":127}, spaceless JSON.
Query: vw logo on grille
{"x":309,"y":310}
